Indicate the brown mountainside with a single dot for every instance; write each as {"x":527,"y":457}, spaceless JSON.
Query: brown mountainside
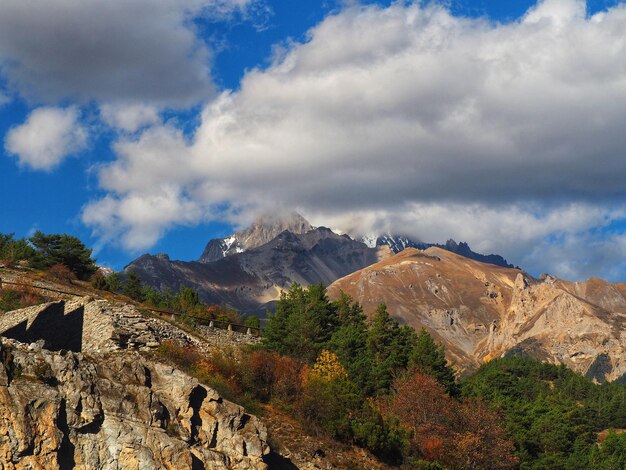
{"x":480,"y":311}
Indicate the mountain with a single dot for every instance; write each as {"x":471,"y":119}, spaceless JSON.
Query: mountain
{"x":397,"y":243}
{"x":481,"y":311}
{"x":263,"y":230}
{"x":253,"y":278}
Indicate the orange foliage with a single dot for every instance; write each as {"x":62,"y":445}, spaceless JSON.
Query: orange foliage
{"x":271,"y":375}
{"x":463,"y":435}
{"x":62,"y":273}
{"x":327,"y":367}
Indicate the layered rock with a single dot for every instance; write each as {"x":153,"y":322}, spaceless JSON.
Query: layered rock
{"x":116,"y":411}
{"x":480,"y":311}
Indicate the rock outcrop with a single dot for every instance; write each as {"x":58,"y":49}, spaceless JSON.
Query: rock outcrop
{"x":481,"y":311}
{"x":61,"y":410}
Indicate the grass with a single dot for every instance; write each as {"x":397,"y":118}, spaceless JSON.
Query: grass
{"x":11,"y":299}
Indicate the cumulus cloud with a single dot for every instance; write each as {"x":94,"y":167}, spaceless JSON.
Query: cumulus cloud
{"x":129,"y":117}
{"x":410,"y":118}
{"x":48,"y":136}
{"x":141,"y":50}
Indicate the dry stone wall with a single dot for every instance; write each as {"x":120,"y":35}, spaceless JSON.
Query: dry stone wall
{"x":90,"y":325}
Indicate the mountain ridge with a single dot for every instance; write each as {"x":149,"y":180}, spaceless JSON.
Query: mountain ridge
{"x":252,"y":279}
{"x":481,"y":311}
{"x":397,"y":243}
{"x":250,"y":268}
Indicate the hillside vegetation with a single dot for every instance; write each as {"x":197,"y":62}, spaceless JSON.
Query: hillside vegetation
{"x":384,"y":387}
{"x":370,"y":382}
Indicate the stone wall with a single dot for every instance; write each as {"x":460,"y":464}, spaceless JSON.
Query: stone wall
{"x":58,"y":325}
{"x":88,"y":325}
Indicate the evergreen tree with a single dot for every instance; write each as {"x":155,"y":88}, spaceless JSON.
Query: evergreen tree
{"x":63,"y":249}
{"x":186,"y":300}
{"x":429,"y":358}
{"x":114,"y":284}
{"x":132,"y":286}
{"x":12,"y":250}
{"x":349,"y":342}
{"x":303,"y":323}
{"x":390,"y":346}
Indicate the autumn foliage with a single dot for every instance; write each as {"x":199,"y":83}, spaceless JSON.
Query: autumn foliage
{"x":369,"y":382}
{"x":460,"y":434}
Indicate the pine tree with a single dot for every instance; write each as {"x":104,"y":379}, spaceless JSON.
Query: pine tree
{"x":429,"y":358}
{"x":132,"y":286}
{"x":63,"y":249}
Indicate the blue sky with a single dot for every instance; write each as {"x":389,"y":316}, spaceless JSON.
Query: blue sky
{"x":158,"y":128}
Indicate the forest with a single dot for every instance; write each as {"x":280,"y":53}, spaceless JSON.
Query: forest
{"x":371,"y":382}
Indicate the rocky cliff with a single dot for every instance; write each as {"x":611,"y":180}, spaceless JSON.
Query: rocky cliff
{"x":480,"y":311}
{"x":97,"y":402}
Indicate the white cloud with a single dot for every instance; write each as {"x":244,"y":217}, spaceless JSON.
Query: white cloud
{"x":511,"y":131}
{"x":137,"y":50}
{"x":48,"y":136}
{"x":129,"y":117}
{"x":147,"y":216}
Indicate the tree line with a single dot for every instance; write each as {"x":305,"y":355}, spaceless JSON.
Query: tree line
{"x":373,"y":382}
{"x":49,"y":251}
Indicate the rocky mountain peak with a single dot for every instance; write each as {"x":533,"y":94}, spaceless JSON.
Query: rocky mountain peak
{"x":264,"y":229}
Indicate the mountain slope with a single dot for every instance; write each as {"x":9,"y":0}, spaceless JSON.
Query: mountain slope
{"x":249,"y":280}
{"x":480,"y":311}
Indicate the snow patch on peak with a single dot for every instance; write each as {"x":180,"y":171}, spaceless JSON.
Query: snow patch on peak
{"x":228,"y":243}
{"x":370,"y":240}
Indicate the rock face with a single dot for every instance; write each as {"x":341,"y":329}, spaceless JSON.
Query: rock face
{"x":61,"y":410}
{"x":262,"y":231}
{"x":252,"y":280}
{"x":480,"y":311}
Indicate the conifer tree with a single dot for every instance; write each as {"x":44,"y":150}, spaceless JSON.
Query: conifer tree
{"x":429,"y":358}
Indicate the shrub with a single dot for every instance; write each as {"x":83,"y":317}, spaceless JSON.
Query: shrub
{"x":253,"y":322}
{"x":62,"y":273}
{"x":271,"y":376}
{"x":98,"y":281}
{"x":463,"y":435}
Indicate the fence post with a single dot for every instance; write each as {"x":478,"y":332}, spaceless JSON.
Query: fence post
{"x":230,"y":328}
